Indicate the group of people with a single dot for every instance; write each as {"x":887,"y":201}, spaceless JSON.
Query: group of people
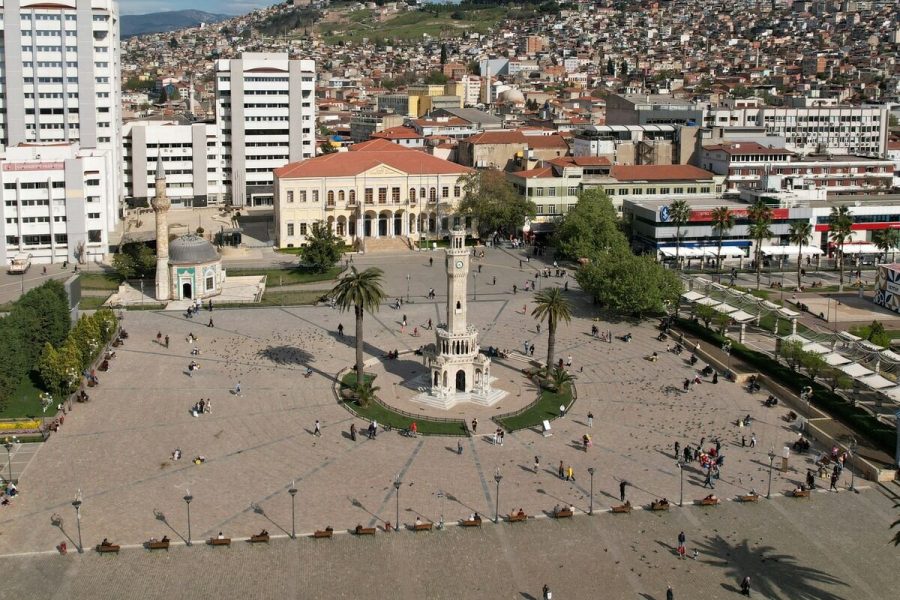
{"x":201,"y":407}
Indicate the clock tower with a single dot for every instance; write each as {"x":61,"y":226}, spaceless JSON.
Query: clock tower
{"x":457,"y":371}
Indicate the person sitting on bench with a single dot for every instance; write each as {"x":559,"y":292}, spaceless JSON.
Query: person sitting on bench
{"x":711,"y":498}
{"x":263,"y":533}
{"x":308,"y":372}
{"x":418,"y":521}
{"x":475,"y":517}
{"x":771,"y":401}
{"x":165,"y":539}
{"x":220,"y":536}
{"x":176,"y":455}
{"x":105,"y":543}
{"x":521,"y":514}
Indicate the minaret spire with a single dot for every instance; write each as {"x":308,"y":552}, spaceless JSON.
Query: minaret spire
{"x":161,"y":205}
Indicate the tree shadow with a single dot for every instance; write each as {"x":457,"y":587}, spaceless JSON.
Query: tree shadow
{"x":286,"y":355}
{"x":773,"y":574}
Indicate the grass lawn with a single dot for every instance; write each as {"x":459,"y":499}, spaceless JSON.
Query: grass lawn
{"x":385,"y":416}
{"x":92,"y":302}
{"x":24,"y":402}
{"x":297,"y":251}
{"x":100,"y":281}
{"x":279,"y":277}
{"x":546,"y":409}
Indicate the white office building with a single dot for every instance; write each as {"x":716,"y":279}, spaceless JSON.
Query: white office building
{"x":266,"y":118}
{"x":60,"y":73}
{"x":191,"y":157}
{"x":59,"y":202}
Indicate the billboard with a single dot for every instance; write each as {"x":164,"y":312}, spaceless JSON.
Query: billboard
{"x":887,"y":287}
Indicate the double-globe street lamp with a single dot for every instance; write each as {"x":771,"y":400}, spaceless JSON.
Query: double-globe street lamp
{"x":771,"y":460}
{"x":77,"y":504}
{"x":497,"y":477}
{"x":293,"y":492}
{"x":187,"y":500}
{"x":397,"y":484}
{"x":591,"y":505}
{"x":680,"y":464}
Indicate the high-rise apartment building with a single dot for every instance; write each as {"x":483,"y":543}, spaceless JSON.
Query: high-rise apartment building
{"x":266,"y":117}
{"x":60,"y":128}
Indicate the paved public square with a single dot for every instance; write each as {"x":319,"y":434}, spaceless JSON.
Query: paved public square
{"x":117,"y":450}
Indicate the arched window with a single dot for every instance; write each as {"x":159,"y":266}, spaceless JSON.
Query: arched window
{"x":432,"y":194}
{"x":352,"y":196}
{"x":331,"y":197}
{"x":341,"y":196}
{"x":412,"y":194}
{"x":422,"y":194}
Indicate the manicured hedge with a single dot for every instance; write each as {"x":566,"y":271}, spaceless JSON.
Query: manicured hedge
{"x":864,"y":424}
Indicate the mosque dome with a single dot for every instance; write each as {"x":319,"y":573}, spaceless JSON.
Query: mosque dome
{"x":192,"y":249}
{"x":512,"y":96}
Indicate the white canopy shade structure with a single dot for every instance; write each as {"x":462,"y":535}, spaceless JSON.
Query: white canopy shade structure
{"x":817,"y":348}
{"x":869,"y":346}
{"x":848,"y":336}
{"x":726,"y":309}
{"x":788,"y":313}
{"x":834,"y":359}
{"x":856,"y":370}
{"x":769,"y":305}
{"x":795,"y":338}
{"x":692,"y":296}
{"x":890,"y":356}
{"x":742,"y":317}
{"x":892,"y":393}
{"x":702,"y":281}
{"x":682,"y":252}
{"x":876,"y":382}
{"x":861,"y":249}
{"x":790,"y":250}
{"x":706,"y":301}
{"x":727,"y":252}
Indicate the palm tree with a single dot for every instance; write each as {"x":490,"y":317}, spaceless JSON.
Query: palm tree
{"x":551,"y":306}
{"x":558,"y":378}
{"x":363,"y":292}
{"x":365,"y":393}
{"x":722,"y":223}
{"x":800,"y":232}
{"x":679,"y":214}
{"x":841,"y":228}
{"x":887,"y":240}
{"x":893,"y":237}
{"x":760,"y":219}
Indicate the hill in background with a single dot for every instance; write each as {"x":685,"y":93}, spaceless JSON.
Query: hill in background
{"x":166,"y":21}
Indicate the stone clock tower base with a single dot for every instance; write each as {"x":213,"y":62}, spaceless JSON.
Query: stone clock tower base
{"x":457,"y":371}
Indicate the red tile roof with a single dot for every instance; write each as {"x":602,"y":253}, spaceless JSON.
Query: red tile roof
{"x":398,"y":133}
{"x":532,"y":173}
{"x":367,"y":155}
{"x":515,"y":136}
{"x":746,"y":148}
{"x":581,"y":161}
{"x":659,"y":173}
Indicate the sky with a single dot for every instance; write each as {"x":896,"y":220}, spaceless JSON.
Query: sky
{"x":225,"y":7}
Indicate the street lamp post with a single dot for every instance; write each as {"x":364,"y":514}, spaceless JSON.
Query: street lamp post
{"x":680,"y":463}
{"x":77,"y":504}
{"x":853,"y":447}
{"x":397,"y":484}
{"x":8,"y":447}
{"x":187,"y":500}
{"x":293,"y":492}
{"x":497,"y":477}
{"x":771,"y":460}
{"x":591,"y":505}
{"x":407,"y":287}
{"x":474,"y":286}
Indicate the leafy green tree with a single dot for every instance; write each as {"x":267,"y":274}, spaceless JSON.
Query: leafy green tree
{"x":436,"y":78}
{"x":610,"y":67}
{"x":590,"y":229}
{"x":322,"y":249}
{"x":706,"y":314}
{"x":631,"y":284}
{"x":135,"y":261}
{"x":887,"y":240}
{"x":841,"y":223}
{"x":760,"y":230}
{"x":722,"y":223}
{"x":837,"y":379}
{"x":362,"y":292}
{"x":800,"y":232}
{"x":42,"y":316}
{"x":86,"y":337}
{"x":551,"y":306}
{"x":792,"y":351}
{"x":722,"y":322}
{"x":493,"y":202}
{"x":444,"y":54}
{"x":15,"y":360}
{"x":679,"y":214}
{"x":327,"y":148}
{"x":60,"y":370}
{"x":813,"y":363}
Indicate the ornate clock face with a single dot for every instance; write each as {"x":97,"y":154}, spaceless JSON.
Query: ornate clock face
{"x":459,"y":264}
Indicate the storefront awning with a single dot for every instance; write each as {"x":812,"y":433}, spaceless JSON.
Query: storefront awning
{"x":861,"y":249}
{"x":790,"y":250}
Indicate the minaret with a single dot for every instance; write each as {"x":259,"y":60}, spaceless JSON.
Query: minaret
{"x":161,"y":204}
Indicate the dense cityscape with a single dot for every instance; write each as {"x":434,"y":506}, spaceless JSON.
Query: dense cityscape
{"x":589,"y":208}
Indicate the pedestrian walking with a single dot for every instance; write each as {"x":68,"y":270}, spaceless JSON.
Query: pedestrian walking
{"x":570,"y":474}
{"x":562,"y":470}
{"x":688,"y":454}
{"x":430,"y":261}
{"x":429,"y":324}
{"x":753,"y":440}
{"x":352,"y":432}
{"x":159,"y":337}
{"x":500,"y":435}
{"x":670,"y":595}
{"x":590,"y":419}
{"x":538,"y":327}
{"x":495,"y":437}
{"x":834,"y":480}
{"x":569,"y":360}
{"x":677,"y":449}
{"x":237,"y":389}
{"x":167,"y":341}
{"x":548,"y":595}
{"x":718,"y":446}
{"x":537,"y":464}
{"x":404,"y":321}
{"x":708,"y":482}
{"x":459,"y":447}
{"x":340,"y":330}
{"x":474,"y":425}
{"x":318,"y":430}
{"x":515,"y":289}
{"x":531,"y":350}
{"x":495,"y":280}
{"x":622,"y":485}
{"x":686,"y":385}
{"x":210,"y":324}
{"x":745,"y":586}
{"x":743,"y":441}
{"x":525,"y":345}
{"x":681,"y":549}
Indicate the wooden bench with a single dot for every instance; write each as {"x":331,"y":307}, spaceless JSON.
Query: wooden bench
{"x":219,"y":541}
{"x":471,"y":523}
{"x":516,"y":517}
{"x":800,"y":494}
{"x":360,"y":530}
{"x":259,"y":539}
{"x":104,"y":548}
{"x":157,"y":545}
{"x":749,"y":498}
{"x":565,"y":513}
{"x":323,"y":533}
{"x":659,"y":506}
{"x":622,"y":508}
{"x":423,"y":526}
{"x":707,"y":502}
